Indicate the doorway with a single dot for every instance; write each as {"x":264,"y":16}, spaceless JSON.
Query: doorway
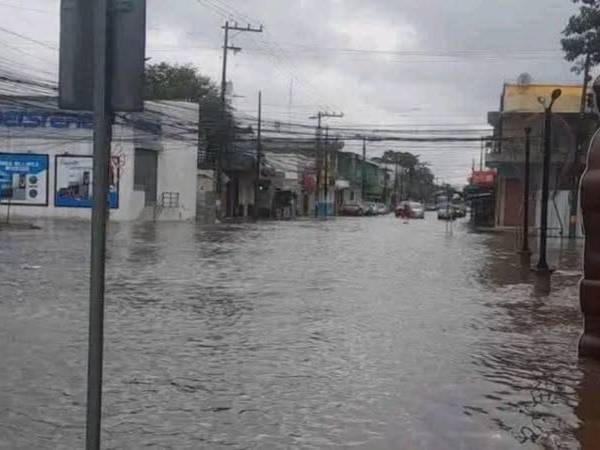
{"x":146,"y":174}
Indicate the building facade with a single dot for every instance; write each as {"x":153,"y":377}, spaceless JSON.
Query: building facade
{"x":46,"y":165}
{"x":520,"y":108}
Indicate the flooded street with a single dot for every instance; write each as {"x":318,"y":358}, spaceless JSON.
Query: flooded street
{"x":349,"y":333}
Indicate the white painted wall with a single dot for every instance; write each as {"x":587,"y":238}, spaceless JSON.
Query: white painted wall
{"x":177,"y":173}
{"x":177,"y":158}
{"x":75,"y":143}
{"x":559,"y":212}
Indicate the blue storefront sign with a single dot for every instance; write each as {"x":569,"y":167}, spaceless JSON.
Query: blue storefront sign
{"x":46,"y":119}
{"x":74,"y":183}
{"x":24,"y":179}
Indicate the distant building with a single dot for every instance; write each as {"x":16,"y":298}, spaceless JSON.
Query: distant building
{"x":520,"y":108}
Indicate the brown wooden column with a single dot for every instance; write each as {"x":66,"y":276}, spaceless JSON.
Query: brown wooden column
{"x":590,"y":286}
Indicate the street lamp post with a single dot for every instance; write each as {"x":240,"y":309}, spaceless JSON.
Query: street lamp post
{"x":525,"y":250}
{"x":542,"y":265}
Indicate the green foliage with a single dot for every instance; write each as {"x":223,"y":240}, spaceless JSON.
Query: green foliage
{"x":418,"y":181}
{"x":582,"y":35}
{"x":217,"y":125}
{"x":404,"y":159}
{"x":174,"y":82}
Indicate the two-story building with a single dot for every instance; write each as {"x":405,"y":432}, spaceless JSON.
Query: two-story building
{"x":520,"y":108}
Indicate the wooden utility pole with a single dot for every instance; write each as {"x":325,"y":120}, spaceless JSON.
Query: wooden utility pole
{"x":396,"y":182}
{"x":318,"y":157}
{"x":258,"y":155}
{"x":364,"y":170}
{"x":226,"y":48}
{"x":326,"y":181}
{"x":318,"y":164}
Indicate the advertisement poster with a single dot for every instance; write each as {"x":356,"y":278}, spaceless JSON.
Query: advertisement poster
{"x":24,"y":179}
{"x":74,"y":183}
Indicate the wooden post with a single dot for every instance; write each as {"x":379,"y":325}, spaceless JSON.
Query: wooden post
{"x":589,"y":344}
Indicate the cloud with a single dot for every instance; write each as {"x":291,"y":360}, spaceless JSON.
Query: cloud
{"x":393,"y":62}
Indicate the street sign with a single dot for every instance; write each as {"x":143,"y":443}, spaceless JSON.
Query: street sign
{"x":127,"y":51}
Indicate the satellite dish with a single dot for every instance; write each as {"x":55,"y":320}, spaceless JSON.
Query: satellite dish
{"x":524,"y":79}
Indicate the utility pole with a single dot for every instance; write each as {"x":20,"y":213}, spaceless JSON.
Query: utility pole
{"x":318,"y":163}
{"x":580,"y":139}
{"x":402,"y":184}
{"x":481,"y":157}
{"x":396,"y":182}
{"x":226,"y":48}
{"x":364,"y":170}
{"x":102,"y":132}
{"x":258,"y":155}
{"x":525,"y":250}
{"x":326,"y":183}
{"x":542,"y":265}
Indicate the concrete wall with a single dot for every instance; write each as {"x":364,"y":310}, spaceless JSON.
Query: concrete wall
{"x":559,"y":212}
{"x":177,"y":173}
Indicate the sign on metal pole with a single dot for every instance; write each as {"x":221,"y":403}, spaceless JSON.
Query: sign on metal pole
{"x":127,"y":49}
{"x":102,"y":56}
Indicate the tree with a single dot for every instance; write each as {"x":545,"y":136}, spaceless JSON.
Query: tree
{"x":582,"y":35}
{"x":420,"y":181}
{"x":404,"y":159}
{"x":217,"y":125}
{"x":174,"y":82}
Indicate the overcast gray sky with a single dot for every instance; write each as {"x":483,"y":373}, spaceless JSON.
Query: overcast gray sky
{"x":389,"y":63}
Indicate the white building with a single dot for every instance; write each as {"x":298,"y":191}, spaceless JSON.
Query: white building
{"x":46,"y":165}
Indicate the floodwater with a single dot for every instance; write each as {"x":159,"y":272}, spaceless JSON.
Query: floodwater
{"x":351,"y":333}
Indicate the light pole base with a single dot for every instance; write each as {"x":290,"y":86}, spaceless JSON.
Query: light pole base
{"x":541,"y":271}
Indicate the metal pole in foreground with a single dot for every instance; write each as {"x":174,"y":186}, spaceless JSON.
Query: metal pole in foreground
{"x":525,"y":250}
{"x":99,"y":218}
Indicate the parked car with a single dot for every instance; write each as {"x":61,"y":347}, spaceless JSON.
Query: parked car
{"x":445,"y":213}
{"x":370,"y":209}
{"x":382,"y":209}
{"x":352,"y":209}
